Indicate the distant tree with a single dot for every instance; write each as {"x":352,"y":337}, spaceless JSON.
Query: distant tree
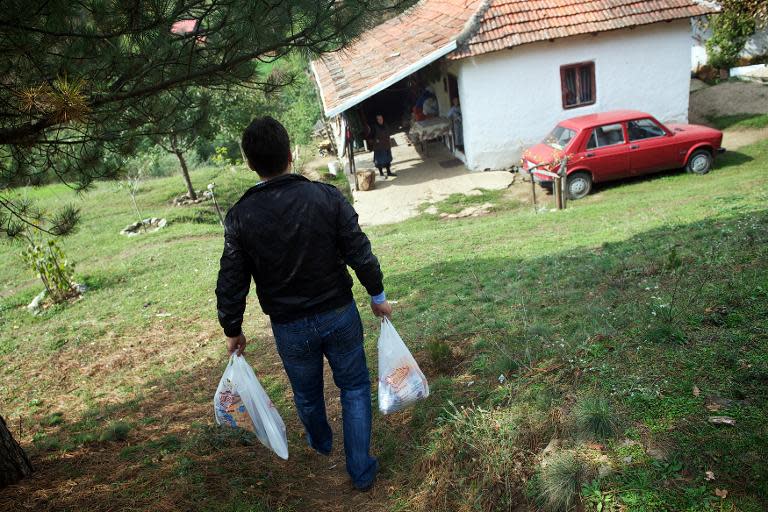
{"x":730,"y":32}
{"x":179,"y":133}
{"x":80,"y":80}
{"x":758,"y":9}
{"x":732,"y":28}
{"x":295,"y":104}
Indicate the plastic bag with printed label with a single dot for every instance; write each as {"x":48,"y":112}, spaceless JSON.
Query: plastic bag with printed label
{"x":241,"y":402}
{"x":401,"y":382}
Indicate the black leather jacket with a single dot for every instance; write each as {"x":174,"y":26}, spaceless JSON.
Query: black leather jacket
{"x":295,"y":238}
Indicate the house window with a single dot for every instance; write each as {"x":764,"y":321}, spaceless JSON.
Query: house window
{"x":578,"y":84}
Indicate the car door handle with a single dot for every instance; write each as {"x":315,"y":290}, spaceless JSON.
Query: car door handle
{"x":590,"y":154}
{"x":634,"y":146}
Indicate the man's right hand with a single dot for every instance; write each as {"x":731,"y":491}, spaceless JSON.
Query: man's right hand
{"x":236,"y":344}
{"x":382,"y":310}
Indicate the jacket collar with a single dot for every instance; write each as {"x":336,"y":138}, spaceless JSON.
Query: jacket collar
{"x":271,"y":183}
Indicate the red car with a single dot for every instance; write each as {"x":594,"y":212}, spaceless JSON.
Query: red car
{"x":619,"y":144}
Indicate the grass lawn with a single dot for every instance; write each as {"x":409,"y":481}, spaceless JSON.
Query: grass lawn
{"x":739,"y":121}
{"x":573,"y":356}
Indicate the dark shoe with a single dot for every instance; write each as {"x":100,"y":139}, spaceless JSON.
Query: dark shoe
{"x":366,"y":488}
{"x":390,"y":173}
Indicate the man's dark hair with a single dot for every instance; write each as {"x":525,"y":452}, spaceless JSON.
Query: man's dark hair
{"x":266,"y":146}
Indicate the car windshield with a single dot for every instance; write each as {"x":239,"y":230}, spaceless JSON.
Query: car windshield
{"x":560,"y":137}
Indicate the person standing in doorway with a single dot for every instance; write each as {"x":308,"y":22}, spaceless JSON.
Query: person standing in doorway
{"x":382,"y":147}
{"x":295,"y":238}
{"x":454,"y":114}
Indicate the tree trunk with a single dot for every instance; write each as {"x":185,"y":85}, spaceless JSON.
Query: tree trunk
{"x":14,"y":464}
{"x":184,"y":169}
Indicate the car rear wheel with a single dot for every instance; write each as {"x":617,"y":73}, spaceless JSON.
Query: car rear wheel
{"x":578,"y":184}
{"x":700,"y":162}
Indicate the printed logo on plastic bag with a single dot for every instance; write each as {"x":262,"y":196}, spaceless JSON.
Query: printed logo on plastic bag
{"x":230,"y":409}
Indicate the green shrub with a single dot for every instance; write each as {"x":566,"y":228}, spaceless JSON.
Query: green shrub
{"x":117,"y":431}
{"x":665,"y":333}
{"x":49,"y":444}
{"x":440,"y":355}
{"x":48,"y":262}
{"x":52,"y":419}
{"x":560,"y":480}
{"x":594,"y":418}
{"x":730,"y":32}
{"x":83,"y":438}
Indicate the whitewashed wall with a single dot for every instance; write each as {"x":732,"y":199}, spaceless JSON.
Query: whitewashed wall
{"x":512,"y":98}
{"x":443,"y":101}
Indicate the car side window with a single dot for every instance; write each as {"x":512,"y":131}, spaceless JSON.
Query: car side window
{"x":644,"y":129}
{"x":607,"y":135}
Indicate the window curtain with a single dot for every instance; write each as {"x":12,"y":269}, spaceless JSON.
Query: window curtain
{"x":585,"y":77}
{"x":571,"y":96}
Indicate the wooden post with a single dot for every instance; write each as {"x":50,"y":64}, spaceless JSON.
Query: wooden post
{"x":563,"y":172}
{"x":564,"y":191}
{"x":352,"y":168}
{"x":533,"y":191}
{"x":329,"y":134}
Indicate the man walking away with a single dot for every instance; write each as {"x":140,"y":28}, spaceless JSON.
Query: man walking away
{"x":295,"y":238}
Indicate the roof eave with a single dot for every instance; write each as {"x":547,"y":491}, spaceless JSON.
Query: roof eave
{"x":360,"y":97}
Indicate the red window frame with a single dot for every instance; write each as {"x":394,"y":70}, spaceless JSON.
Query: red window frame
{"x":579,"y":85}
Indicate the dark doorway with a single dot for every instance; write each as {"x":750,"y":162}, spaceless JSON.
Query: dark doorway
{"x":453,"y":87}
{"x":457,"y":140}
{"x":393,"y":103}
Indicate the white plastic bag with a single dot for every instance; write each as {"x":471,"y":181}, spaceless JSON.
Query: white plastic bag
{"x":401,"y":382}
{"x":241,"y":402}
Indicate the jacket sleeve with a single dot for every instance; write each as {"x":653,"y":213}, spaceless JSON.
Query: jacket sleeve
{"x":356,"y":248}
{"x":234,"y":281}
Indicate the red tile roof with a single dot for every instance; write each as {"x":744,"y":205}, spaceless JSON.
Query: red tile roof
{"x":383,"y":53}
{"x":508,"y":23}
{"x":466,"y":28}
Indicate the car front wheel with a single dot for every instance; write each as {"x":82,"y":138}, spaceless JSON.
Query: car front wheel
{"x":700,"y":162}
{"x":578,"y":184}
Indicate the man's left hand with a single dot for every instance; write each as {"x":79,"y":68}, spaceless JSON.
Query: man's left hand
{"x":236,"y":344}
{"x":383,"y":310}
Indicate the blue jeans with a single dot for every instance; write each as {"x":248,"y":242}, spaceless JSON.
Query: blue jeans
{"x":337,"y":335}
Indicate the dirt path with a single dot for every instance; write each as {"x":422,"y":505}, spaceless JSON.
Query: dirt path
{"x":735,"y":139}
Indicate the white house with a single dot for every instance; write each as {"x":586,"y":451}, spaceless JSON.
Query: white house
{"x":518,"y":67}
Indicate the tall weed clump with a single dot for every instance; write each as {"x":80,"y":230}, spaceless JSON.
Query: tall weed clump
{"x":481,"y":458}
{"x":560,"y":480}
{"x":594,"y":418}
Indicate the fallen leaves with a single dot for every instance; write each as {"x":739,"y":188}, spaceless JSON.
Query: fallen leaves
{"x":721,"y":493}
{"x":696,"y":391}
{"x":709,"y":476}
